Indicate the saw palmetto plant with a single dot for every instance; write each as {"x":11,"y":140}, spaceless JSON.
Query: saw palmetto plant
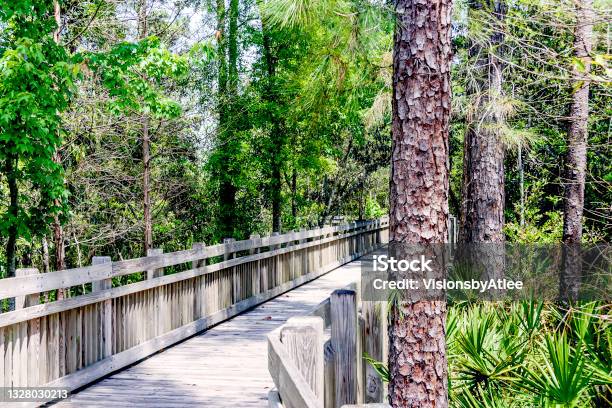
{"x":526,"y":354}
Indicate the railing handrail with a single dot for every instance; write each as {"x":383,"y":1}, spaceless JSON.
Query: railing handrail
{"x":355,"y":369}
{"x":36,"y":283}
{"x":73,"y":341}
{"x":29,"y":284}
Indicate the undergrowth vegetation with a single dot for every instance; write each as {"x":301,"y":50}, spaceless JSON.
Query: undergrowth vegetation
{"x":527,"y":354}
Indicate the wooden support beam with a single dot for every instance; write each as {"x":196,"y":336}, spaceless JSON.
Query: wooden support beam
{"x":372,"y":327}
{"x":199,"y":303}
{"x":155,"y":273}
{"x":257,"y":264}
{"x":22,"y":302}
{"x":330,"y":375}
{"x":344,"y":344}
{"x":107,"y":307}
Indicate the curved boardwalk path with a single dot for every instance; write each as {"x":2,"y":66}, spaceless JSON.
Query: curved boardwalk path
{"x":225,"y":366}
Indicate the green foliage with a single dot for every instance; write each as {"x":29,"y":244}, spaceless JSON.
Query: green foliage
{"x":526,"y":354}
{"x":563,"y":378}
{"x":379,"y":367}
{"x":36,"y":80}
{"x":134,"y":74}
{"x":544,"y":228}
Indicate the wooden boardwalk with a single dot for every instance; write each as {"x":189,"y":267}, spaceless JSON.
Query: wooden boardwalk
{"x":225,"y":366}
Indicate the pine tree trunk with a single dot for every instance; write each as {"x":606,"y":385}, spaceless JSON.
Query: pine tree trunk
{"x":275,"y":186}
{"x":419,"y":192}
{"x":483,"y":193}
{"x":577,"y":135}
{"x":294,"y":194}
{"x":482,"y":215}
{"x":575,"y":171}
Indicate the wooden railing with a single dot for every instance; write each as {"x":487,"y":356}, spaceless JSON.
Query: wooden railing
{"x":74,"y":341}
{"x":317,"y":361}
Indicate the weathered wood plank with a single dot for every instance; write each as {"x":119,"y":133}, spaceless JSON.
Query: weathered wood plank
{"x":302,"y":338}
{"x":106,"y":328}
{"x":13,"y":317}
{"x":330,"y":375}
{"x":27,"y":284}
{"x":294,"y":390}
{"x":343,"y":341}
{"x":373,"y":337}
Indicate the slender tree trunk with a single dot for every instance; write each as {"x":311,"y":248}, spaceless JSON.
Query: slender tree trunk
{"x":11,"y":244}
{"x":482,"y":215}
{"x":58,"y":231}
{"x":232,"y":50}
{"x":419,"y":192}
{"x":294,"y":193}
{"x":521,"y":184}
{"x":275,"y":186}
{"x":228,"y":92}
{"x":45,"y":261}
{"x":575,"y":171}
{"x":146,"y":185}
{"x":143,"y":31}
{"x":45,"y":254}
{"x":275,"y":153}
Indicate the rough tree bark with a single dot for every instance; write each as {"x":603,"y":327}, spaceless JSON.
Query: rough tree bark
{"x":482,"y":215}
{"x":419,"y":192}
{"x":483,"y":193}
{"x":575,"y":171}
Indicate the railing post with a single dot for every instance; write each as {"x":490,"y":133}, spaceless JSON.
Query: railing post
{"x":291,"y":257}
{"x":304,"y":253}
{"x":29,"y":335}
{"x":199,"y":302}
{"x":22,"y":302}
{"x":257,"y":275}
{"x":373,"y":338}
{"x":344,"y":342}
{"x":229,"y":254}
{"x":275,"y":260}
{"x":107,"y":319}
{"x":264,"y":265}
{"x":155,"y":273}
{"x":303,"y":339}
{"x":330,"y":375}
{"x":198,"y":246}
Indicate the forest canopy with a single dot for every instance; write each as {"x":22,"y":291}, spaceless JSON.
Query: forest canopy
{"x":131,"y":125}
